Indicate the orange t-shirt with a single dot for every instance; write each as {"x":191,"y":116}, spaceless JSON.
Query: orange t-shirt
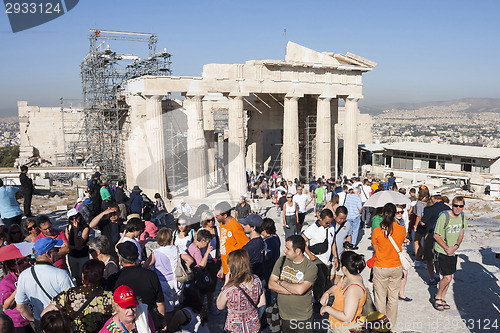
{"x":338,"y":304}
{"x":386,"y":255}
{"x":232,"y":237}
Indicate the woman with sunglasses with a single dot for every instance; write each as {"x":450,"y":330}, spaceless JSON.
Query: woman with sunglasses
{"x":8,"y":289}
{"x":31,"y":230}
{"x":77,"y":234}
{"x":214,"y":262}
{"x":290,"y":216}
{"x":402,"y":219}
{"x":183,"y":234}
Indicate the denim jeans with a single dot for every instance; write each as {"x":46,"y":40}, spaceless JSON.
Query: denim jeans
{"x":354,"y":229}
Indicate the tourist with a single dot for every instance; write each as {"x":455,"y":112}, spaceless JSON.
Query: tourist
{"x":272,"y":253}
{"x":47,"y":230}
{"x":192,"y":316}
{"x":160,"y":210}
{"x":77,"y":234}
{"x":183,"y":234}
{"x":448,"y":234}
{"x":130,"y":315}
{"x":341,"y":232}
{"x":214,"y":262}
{"x":105,"y":195}
{"x":164,"y":261}
{"x":242,"y":209}
{"x":99,"y":248}
{"x":9,"y":207}
{"x":320,"y":250}
{"x":252,"y":226}
{"x":136,"y":203}
{"x":72,"y":302}
{"x":30,"y":298}
{"x":93,"y":189}
{"x":303,"y":200}
{"x":319,"y":198}
{"x":419,"y":228}
{"x":354,"y":205}
{"x":387,"y":269}
{"x":429,"y":219}
{"x":292,"y":188}
{"x":333,"y":204}
{"x":242,"y":294}
{"x":294,"y":290}
{"x":133,"y":229}
{"x":15,"y":234}
{"x":55,"y":322}
{"x":200,"y":250}
{"x":183,"y":209}
{"x":31,"y":230}
{"x":290,"y":216}
{"x":27,"y":188}
{"x":8,"y":287}
{"x":110,"y":225}
{"x":232,"y":235}
{"x":121,"y":199}
{"x":280,"y":202}
{"x":350,"y":295}
{"x":142,"y":281}
{"x":399,"y":218}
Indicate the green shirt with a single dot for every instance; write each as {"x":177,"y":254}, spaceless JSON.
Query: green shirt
{"x":105,"y":195}
{"x":298,"y":307}
{"x":320,"y":191}
{"x":452,"y":230}
{"x":376,"y":221}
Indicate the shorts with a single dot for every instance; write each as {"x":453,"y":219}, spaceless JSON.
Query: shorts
{"x":447,"y":264}
{"x":421,"y":229}
{"x":302,"y":217}
{"x":319,"y":207}
{"x":429,"y":246}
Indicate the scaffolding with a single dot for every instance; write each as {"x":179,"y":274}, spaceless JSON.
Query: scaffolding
{"x":310,"y":145}
{"x":100,"y":137}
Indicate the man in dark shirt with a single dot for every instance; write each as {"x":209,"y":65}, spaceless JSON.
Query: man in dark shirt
{"x":253,"y":191}
{"x":281,"y":202}
{"x":121,"y":199}
{"x":27,"y":188}
{"x":429,"y":219}
{"x":144,"y":282}
{"x":110,"y":226}
{"x":242,"y":209}
{"x":252,"y":225}
{"x":391,"y":180}
{"x":93,"y":188}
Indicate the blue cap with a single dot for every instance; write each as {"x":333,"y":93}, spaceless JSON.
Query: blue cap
{"x":252,"y":219}
{"x":45,"y":244}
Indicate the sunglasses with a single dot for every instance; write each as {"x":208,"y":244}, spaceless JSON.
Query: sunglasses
{"x":31,"y":228}
{"x":458,"y":206}
{"x":211,"y":220}
{"x":182,"y":224}
{"x":399,"y":212}
{"x":73,"y":218}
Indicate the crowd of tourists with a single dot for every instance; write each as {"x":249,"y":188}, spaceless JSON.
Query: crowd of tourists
{"x":125,"y":263}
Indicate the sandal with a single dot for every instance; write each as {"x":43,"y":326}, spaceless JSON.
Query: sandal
{"x":446,"y":306}
{"x":439,"y":307}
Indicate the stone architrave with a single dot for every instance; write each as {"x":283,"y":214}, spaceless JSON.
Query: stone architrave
{"x":236,"y":149}
{"x":197,"y":148}
{"x":156,"y":145}
{"x":350,"y":165}
{"x":324,"y":137}
{"x":290,"y":151}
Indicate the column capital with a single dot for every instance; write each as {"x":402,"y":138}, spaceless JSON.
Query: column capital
{"x":294,"y":96}
{"x":195,"y":97}
{"x":153,"y":97}
{"x":353,"y":98}
{"x":235,"y":95}
{"x":327,"y":97}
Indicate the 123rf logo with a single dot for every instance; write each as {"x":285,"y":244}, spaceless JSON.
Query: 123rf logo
{"x":26,"y":14}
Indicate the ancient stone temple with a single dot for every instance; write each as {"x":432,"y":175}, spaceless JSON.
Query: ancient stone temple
{"x":281,"y":113}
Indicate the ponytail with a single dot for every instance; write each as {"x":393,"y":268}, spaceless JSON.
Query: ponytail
{"x":388,"y":213}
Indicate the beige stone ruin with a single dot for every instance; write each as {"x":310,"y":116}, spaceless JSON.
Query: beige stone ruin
{"x":260,"y":96}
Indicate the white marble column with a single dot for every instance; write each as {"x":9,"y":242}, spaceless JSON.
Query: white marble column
{"x":324,"y":138}
{"x":334,"y":107}
{"x":156,"y":180}
{"x":236,"y":161}
{"x":350,"y":164}
{"x":290,"y":150}
{"x":197,"y":148}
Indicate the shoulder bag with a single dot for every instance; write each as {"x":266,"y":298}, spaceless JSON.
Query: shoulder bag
{"x":183,"y":273}
{"x":39,"y":284}
{"x":404,"y":257}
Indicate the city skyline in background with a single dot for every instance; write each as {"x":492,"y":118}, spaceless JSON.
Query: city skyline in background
{"x":425,"y":51}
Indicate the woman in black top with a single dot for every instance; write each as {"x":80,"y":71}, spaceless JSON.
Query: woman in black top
{"x":77,"y":234}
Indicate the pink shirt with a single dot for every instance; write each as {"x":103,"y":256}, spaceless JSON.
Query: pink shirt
{"x":195,"y":252}
{"x":7,"y":287}
{"x":61,"y":263}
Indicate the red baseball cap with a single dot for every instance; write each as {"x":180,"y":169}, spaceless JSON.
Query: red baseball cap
{"x":125,"y":297}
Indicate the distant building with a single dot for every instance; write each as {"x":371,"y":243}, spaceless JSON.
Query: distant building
{"x":416,"y":156}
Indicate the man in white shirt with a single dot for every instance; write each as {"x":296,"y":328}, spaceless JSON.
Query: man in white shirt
{"x":184,"y":208}
{"x":292,"y":189}
{"x":49,"y":282}
{"x":320,"y":249}
{"x":303,"y":200}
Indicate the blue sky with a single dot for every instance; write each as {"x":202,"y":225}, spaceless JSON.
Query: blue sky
{"x":425,"y":50}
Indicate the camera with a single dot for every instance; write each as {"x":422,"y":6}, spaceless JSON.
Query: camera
{"x":348,"y":245}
